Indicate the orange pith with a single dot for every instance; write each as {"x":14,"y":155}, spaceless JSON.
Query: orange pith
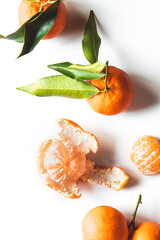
{"x":28,"y":9}
{"x":145,"y":154}
{"x":104,"y":223}
{"x":61,"y":161}
{"x":147,"y":231}
{"x":117,"y":98}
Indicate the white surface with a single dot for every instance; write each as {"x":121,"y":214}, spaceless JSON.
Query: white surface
{"x":130,"y":40}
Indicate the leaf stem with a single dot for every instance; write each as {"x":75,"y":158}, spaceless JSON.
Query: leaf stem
{"x":44,"y":4}
{"x":106,"y":75}
{"x":132,"y":223}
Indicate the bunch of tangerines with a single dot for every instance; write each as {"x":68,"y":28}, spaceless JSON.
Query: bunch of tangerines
{"x":108,"y":223}
{"x":108,"y":91}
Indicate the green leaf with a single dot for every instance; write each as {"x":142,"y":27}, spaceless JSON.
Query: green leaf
{"x":18,"y":36}
{"x":34,"y":0}
{"x":61,"y":85}
{"x":91,"y":41}
{"x":79,"y":72}
{"x":96,"y":67}
{"x":38,"y":28}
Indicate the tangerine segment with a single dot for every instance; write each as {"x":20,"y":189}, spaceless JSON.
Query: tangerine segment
{"x":69,"y":189}
{"x":145,"y":154}
{"x":60,"y":161}
{"x":117,"y":98}
{"x":72,"y":132}
{"x":147,"y":231}
{"x":104,"y":223}
{"x":28,"y":9}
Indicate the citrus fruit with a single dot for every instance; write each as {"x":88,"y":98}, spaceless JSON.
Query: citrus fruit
{"x":104,"y":222}
{"x":63,"y":161}
{"x":118,"y":95}
{"x":62,"y":164}
{"x":147,"y":231}
{"x":145,"y":154}
{"x":28,"y":9}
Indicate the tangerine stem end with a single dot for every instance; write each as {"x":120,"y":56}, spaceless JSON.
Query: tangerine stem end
{"x":132,"y":223}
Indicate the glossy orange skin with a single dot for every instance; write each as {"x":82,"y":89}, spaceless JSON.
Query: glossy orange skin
{"x":28,"y":9}
{"x":104,"y":223}
{"x":147,"y":231}
{"x":145,"y":154}
{"x":119,"y":95}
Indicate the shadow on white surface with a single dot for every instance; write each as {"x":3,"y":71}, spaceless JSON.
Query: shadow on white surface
{"x":76,"y":20}
{"x":134,"y":179}
{"x":139,"y":218}
{"x":85,"y":187}
{"x":100,"y":26}
{"x":106,"y":154}
{"x":146,"y":94}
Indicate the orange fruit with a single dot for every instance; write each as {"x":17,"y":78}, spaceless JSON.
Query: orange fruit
{"x":147,"y":231}
{"x":28,"y":9}
{"x":118,"y":96}
{"x":104,"y":223}
{"x":145,"y":154}
{"x":63,"y":162}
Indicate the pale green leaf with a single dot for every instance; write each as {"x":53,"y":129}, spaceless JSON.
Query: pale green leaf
{"x":96,"y":67}
{"x":60,"y":85}
{"x":79,"y":72}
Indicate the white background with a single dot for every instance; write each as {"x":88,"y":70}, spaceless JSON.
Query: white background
{"x":130,"y":33}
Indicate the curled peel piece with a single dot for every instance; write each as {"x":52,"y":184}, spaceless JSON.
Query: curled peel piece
{"x":72,"y":132}
{"x":114,"y":177}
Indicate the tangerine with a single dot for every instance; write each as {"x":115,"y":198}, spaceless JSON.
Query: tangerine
{"x":63,"y":161}
{"x":28,"y":9}
{"x":147,"y":231}
{"x":62,"y":165}
{"x":145,"y":154}
{"x":104,"y":222}
{"x":118,"y":95}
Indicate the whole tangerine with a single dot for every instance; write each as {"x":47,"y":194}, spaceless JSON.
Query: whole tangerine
{"x":28,"y":9}
{"x":118,"y":95}
{"x":145,"y":154}
{"x":147,"y":231}
{"x":104,"y":222}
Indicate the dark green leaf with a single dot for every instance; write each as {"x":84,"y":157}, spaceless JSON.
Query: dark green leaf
{"x":91,"y":41}
{"x":18,"y":36}
{"x":61,"y":85}
{"x":79,"y":72}
{"x":38,"y":28}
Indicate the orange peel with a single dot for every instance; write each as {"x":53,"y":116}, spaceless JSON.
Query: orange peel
{"x":114,"y":177}
{"x":63,"y":162}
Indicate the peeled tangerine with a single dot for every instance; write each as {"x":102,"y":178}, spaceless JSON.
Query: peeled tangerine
{"x":63,"y":161}
{"x":145,"y":154}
